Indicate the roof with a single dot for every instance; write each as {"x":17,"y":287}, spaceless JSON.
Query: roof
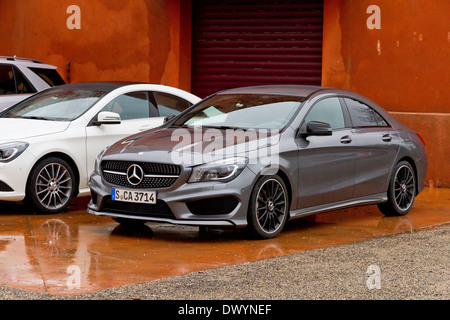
{"x":291,"y":90}
{"x":106,"y":86}
{"x":26,"y":62}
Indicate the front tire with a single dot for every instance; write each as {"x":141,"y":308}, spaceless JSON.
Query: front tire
{"x":401,"y":192}
{"x":269,"y":207}
{"x":51,"y":186}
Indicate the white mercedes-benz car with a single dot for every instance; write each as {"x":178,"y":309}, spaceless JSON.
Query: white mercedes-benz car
{"x":49,"y":142}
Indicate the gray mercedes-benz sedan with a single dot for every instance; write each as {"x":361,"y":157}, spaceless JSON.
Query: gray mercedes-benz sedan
{"x":258,"y":156}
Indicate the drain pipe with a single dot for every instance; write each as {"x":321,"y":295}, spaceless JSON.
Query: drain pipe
{"x":68,"y":72}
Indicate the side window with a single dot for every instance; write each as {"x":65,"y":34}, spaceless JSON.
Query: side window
{"x":328,"y":110}
{"x":7,"y":84}
{"x":170,"y":105}
{"x":134,"y":105}
{"x":50,"y":76}
{"x":23,"y":86}
{"x":362,"y":115}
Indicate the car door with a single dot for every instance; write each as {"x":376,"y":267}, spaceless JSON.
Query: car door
{"x":326,"y":163}
{"x":378,"y":146}
{"x":137,"y":114}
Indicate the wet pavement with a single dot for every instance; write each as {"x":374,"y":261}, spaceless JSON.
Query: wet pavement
{"x":75,"y":252}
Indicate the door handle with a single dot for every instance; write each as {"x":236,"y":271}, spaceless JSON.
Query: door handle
{"x":346,"y":140}
{"x":387,"y":137}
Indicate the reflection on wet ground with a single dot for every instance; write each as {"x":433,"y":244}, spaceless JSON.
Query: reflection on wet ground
{"x":76,"y":252}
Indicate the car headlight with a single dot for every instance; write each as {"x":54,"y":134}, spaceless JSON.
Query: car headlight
{"x":10,"y":151}
{"x":223,"y":170}
{"x":98,"y":160}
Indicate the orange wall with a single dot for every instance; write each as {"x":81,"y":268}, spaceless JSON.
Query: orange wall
{"x":404,"y":66}
{"x":119,"y":40}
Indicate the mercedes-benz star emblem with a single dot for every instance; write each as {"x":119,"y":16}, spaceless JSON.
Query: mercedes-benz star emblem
{"x":135,"y":174}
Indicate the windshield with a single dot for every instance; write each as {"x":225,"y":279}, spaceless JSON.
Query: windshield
{"x":57,"y":104}
{"x":242,"y":111}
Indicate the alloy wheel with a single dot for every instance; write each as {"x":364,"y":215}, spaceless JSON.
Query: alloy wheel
{"x":271,"y":206}
{"x":404,"y":188}
{"x":53,"y":186}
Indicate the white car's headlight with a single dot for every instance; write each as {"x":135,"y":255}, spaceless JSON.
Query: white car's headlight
{"x":11,"y":150}
{"x":98,"y":159}
{"x":222,"y":170}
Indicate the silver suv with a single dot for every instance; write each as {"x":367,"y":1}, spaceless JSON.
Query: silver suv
{"x":20,"y":78}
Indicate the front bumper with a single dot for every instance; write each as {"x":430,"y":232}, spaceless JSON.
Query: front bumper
{"x":14,"y":175}
{"x":178,"y":201}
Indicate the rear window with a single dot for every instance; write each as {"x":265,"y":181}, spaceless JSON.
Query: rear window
{"x":51,"y":76}
{"x":170,"y":105}
{"x":363,"y":115}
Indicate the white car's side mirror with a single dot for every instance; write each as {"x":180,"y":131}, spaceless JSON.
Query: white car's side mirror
{"x":106,"y":117}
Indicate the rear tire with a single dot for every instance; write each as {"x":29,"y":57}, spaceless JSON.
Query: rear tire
{"x":401,"y":191}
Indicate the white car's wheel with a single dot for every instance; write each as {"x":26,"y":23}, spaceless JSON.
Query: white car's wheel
{"x":51,"y":186}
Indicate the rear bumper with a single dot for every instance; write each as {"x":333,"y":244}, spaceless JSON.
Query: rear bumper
{"x":422,"y":167}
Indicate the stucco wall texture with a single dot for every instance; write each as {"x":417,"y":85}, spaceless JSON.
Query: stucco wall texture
{"x":118,"y":40}
{"x":404,"y":66}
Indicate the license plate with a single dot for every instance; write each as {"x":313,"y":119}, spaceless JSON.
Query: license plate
{"x":133,"y":196}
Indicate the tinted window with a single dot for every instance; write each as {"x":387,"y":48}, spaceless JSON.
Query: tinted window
{"x":7,"y":84}
{"x":329,"y":111}
{"x":131,"y":106}
{"x":169,"y":105}
{"x":23,"y":86}
{"x":50,"y":76}
{"x":362,"y":115}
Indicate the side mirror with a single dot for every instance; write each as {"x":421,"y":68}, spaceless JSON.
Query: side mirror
{"x":106,"y":117}
{"x":316,"y":128}
{"x":168,"y":118}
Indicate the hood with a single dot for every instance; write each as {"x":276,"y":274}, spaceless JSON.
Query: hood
{"x":13,"y":129}
{"x":190,"y":146}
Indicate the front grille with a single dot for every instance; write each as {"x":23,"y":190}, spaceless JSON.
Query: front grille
{"x":163,"y":175}
{"x":158,"y":210}
{"x":149,"y":167}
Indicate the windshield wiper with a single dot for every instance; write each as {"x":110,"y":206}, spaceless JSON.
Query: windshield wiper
{"x":225,"y":127}
{"x":179,"y":126}
{"x":36,"y":118}
{"x":208,"y":127}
